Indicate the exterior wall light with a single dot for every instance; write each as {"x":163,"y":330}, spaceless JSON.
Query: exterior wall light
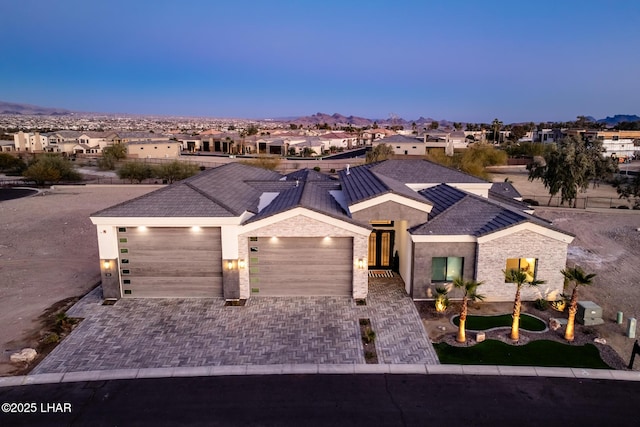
{"x":361,"y":263}
{"x":241,"y":263}
{"x":106,"y":265}
{"x":142,"y":228}
{"x":195,"y":228}
{"x":229,"y":265}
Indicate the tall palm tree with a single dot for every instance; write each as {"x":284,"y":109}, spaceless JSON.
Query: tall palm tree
{"x":579,"y":278}
{"x":518,"y":277}
{"x":470,"y":288}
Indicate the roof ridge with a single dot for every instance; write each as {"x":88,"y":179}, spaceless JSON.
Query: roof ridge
{"x":207,"y":196}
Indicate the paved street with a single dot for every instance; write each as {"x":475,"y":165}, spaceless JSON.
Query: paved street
{"x":335,"y":400}
{"x":154,"y":333}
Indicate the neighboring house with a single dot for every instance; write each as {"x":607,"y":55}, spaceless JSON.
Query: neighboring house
{"x":123,"y":137}
{"x":7,"y":146}
{"x":342,"y":140}
{"x":446,"y":140}
{"x":154,"y":149}
{"x":405,"y":145}
{"x":31,"y":142}
{"x":237,"y":232}
{"x":620,"y":144}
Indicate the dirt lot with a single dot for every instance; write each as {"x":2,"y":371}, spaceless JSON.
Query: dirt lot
{"x":48,"y":252}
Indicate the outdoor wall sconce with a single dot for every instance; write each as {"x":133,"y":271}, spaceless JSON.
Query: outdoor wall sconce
{"x":361,"y":263}
{"x":106,"y":265}
{"x":229,"y":265}
{"x":241,"y":263}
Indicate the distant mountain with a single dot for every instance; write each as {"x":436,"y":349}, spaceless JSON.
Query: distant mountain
{"x":619,"y":118}
{"x":11,"y":108}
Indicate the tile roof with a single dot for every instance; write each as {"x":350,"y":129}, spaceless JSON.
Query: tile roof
{"x":422,"y":171}
{"x":456,"y":212}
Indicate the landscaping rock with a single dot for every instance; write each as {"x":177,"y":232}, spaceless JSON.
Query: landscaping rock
{"x":600,"y":341}
{"x":26,"y":355}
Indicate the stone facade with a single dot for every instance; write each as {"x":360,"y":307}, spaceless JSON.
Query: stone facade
{"x":305,"y":226}
{"x":422,"y":260}
{"x":492,"y":256}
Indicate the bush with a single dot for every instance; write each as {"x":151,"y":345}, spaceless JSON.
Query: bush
{"x":264,"y":162}
{"x":541,"y":304}
{"x":135,"y":171}
{"x":176,"y":171}
{"x":51,"y":168}
{"x":316,"y":168}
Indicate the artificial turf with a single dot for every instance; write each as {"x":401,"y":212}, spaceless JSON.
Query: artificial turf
{"x":535,"y":353}
{"x":482,"y":323}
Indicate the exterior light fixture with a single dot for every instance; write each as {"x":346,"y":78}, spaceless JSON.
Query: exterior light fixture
{"x":142,"y":228}
{"x":241,"y":263}
{"x":106,"y":265}
{"x":195,"y":228}
{"x":229,"y":265}
{"x":361,"y":263}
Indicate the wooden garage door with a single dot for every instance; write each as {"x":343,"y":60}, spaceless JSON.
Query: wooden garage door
{"x":301,"y":266}
{"x":163,"y":262}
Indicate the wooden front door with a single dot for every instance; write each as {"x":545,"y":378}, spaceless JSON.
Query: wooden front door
{"x":381,"y":249}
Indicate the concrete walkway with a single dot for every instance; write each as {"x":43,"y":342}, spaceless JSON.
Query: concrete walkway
{"x":135,"y":334}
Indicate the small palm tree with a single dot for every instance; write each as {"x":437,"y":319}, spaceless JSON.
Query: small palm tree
{"x":518,"y":277}
{"x":579,"y":278}
{"x":470,"y":288}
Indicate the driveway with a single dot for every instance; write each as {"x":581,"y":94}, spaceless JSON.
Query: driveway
{"x":150,"y":333}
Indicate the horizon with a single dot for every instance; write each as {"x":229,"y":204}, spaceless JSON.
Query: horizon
{"x":460,"y":61}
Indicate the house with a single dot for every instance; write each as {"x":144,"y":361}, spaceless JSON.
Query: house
{"x":154,"y":149}
{"x":237,"y":231}
{"x":406,"y":145}
{"x":617,"y":143}
{"x":31,"y":142}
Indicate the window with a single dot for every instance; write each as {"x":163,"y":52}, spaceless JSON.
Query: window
{"x":126,"y":281}
{"x":253,"y":249}
{"x":122,"y":229}
{"x":253,"y":239}
{"x":126,"y":271}
{"x":123,"y":240}
{"x":124,"y":251}
{"x":124,"y":261}
{"x":528,"y":265}
{"x":446,"y":269}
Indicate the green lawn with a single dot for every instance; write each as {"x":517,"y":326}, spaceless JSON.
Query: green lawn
{"x":482,"y":323}
{"x":536,"y":353}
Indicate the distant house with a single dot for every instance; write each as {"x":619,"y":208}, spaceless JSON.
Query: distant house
{"x":154,"y":149}
{"x":31,"y":142}
{"x":404,"y":145}
{"x":241,"y":232}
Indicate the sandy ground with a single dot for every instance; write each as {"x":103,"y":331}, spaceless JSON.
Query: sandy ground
{"x":48,"y":252}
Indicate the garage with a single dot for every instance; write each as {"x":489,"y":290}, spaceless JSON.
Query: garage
{"x":301,"y":266}
{"x":164,"y":262}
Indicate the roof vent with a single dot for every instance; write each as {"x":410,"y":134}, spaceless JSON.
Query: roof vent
{"x":297,"y":182}
{"x":348,"y":169}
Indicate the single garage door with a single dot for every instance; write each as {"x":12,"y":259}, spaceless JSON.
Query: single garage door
{"x":159,"y":262}
{"x":301,"y":266}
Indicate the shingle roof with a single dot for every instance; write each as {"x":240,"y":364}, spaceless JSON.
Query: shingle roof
{"x":505,"y":192}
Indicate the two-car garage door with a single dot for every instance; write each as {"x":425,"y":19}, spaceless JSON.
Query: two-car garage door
{"x":170,"y":262}
{"x":301,"y":266}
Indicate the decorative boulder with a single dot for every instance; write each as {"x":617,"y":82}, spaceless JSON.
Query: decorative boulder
{"x":26,"y":355}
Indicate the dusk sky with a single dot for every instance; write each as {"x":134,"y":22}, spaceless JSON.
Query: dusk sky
{"x":461,"y":60}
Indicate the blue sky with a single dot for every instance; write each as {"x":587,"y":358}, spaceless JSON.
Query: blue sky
{"x":462,"y":60}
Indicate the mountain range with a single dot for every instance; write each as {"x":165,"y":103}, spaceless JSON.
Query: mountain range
{"x":12,"y":108}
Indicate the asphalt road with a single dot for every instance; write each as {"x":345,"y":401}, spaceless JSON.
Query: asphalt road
{"x":310,"y":400}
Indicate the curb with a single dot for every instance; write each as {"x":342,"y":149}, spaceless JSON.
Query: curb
{"x":310,"y":369}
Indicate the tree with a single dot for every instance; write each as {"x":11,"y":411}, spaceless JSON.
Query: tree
{"x":518,"y":132}
{"x":519,"y":278}
{"x":496,"y":125}
{"x":470,"y":288}
{"x":579,"y":278}
{"x":379,"y":153}
{"x":51,"y":168}
{"x":176,"y":171}
{"x":457,"y":125}
{"x":111,"y":155}
{"x":570,"y":166}
{"x":11,"y":164}
{"x":434,"y":125}
{"x":135,"y":171}
{"x":629,"y":189}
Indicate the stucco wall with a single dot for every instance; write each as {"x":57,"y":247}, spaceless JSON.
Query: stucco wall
{"x":393,"y":211}
{"x":493,"y":254}
{"x":424,"y":252}
{"x":303,"y":226}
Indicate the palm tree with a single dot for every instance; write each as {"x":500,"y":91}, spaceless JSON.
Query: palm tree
{"x":470,"y":288}
{"x":579,"y":278}
{"x":518,"y":277}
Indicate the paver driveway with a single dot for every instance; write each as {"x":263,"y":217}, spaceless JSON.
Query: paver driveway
{"x":153,"y":333}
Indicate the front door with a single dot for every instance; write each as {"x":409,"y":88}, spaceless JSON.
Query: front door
{"x":381,"y":249}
